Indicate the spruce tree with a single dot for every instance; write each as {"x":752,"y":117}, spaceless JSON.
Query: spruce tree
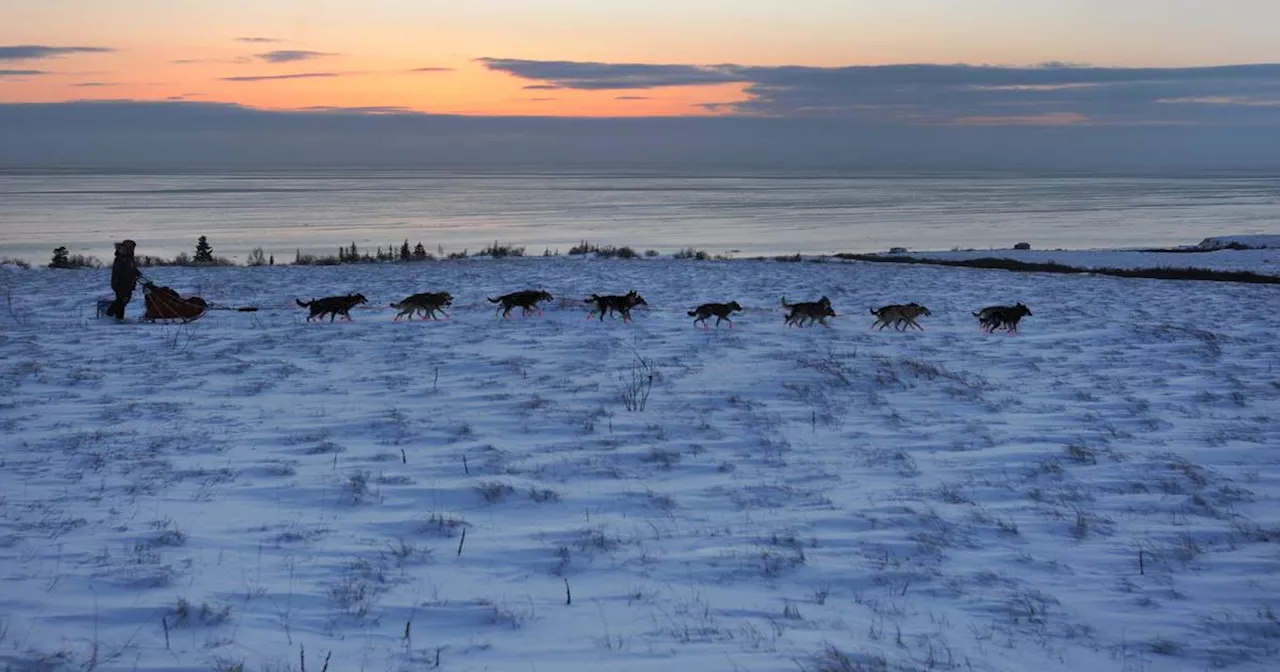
{"x":204,"y":253}
{"x":419,"y":253}
{"x":61,"y":258}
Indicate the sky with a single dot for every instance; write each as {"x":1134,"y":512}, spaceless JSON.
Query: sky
{"x":1048,"y":63}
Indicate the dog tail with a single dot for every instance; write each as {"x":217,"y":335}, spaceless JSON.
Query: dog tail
{"x":874,"y":312}
{"x":977,"y":313}
{"x":304,"y":304}
{"x":693,"y":313}
{"x":784,"y":303}
{"x":492,"y":300}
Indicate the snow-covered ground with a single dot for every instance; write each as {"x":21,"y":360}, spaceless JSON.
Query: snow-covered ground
{"x":1260,"y":241}
{"x":1098,"y":492}
{"x":1263,"y":257}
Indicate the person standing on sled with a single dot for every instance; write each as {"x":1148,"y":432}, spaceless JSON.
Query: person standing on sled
{"x":124,"y":278}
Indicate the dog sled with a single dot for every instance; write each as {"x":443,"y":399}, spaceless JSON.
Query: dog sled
{"x":164,"y":304}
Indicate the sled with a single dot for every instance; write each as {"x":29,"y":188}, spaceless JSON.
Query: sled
{"x":165,"y":304}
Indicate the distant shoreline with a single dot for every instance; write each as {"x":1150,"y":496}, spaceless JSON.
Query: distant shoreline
{"x":695,"y":256}
{"x":1157,"y":273}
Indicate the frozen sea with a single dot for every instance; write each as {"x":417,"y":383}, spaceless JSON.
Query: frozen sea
{"x":744,"y":214}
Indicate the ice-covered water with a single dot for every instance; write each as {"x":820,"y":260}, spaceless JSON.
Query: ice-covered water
{"x":747,"y":213}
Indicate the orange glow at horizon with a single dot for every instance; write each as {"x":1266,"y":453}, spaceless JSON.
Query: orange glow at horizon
{"x":187,"y":50}
{"x":459,"y":86}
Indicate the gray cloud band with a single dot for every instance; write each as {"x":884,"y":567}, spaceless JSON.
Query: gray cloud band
{"x":947,"y":93}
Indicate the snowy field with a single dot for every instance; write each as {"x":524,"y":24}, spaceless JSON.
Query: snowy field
{"x":1264,"y":259}
{"x":252,"y":492}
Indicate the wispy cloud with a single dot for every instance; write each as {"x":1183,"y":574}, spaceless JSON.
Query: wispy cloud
{"x":239,"y":60}
{"x":541,"y":87}
{"x":93,"y":84}
{"x":592,"y":76}
{"x":432,"y":69}
{"x":1246,"y":101}
{"x":22,"y":73}
{"x":292,"y":55}
{"x":1049,"y":119}
{"x":1048,"y":93}
{"x":297,"y":75}
{"x":632,"y":98}
{"x":23,"y":52}
{"x":374,"y":109}
{"x":259,"y":40}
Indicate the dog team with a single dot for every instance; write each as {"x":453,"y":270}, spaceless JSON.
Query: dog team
{"x":805,"y":313}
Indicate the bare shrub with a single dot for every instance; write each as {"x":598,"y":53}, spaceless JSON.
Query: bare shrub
{"x":169,"y":535}
{"x":596,"y":539}
{"x":359,"y":589}
{"x":258,"y":257}
{"x":353,"y":595}
{"x":611,"y":252}
{"x":494,"y":491}
{"x":443,"y":525}
{"x":184,"y":614}
{"x":1081,"y":454}
{"x":505,"y":614}
{"x":773,"y":562}
{"x":661,"y":501}
{"x":227,"y":664}
{"x":542,"y":495}
{"x":404,"y":553}
{"x":832,"y":659}
{"x":691,"y":253}
{"x":635,"y":388}
{"x":357,"y":488}
{"x":498,"y":251}
{"x":662,"y":457}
